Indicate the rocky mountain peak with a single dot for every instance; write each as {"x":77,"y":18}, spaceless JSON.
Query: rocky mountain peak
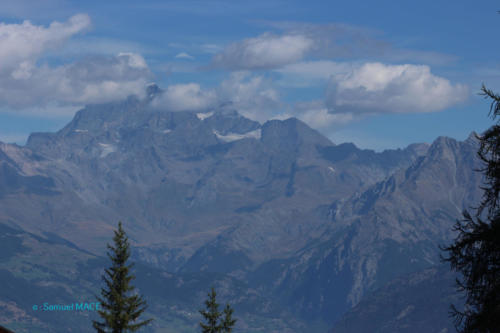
{"x":472,"y":138}
{"x":419,"y":149}
{"x":291,"y":134}
{"x":443,"y":147}
{"x":152,"y":90}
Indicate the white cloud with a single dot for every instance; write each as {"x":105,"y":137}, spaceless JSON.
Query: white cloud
{"x":24,"y":43}
{"x":91,"y":80}
{"x":29,"y":84}
{"x":263,"y":52}
{"x":322,"y":118}
{"x":337,"y":40}
{"x":311,"y":73}
{"x":184,"y":55}
{"x":322,"y":41}
{"x":133,"y":60}
{"x":184,"y":97}
{"x":253,"y":96}
{"x":355,"y":90}
{"x":376,"y":87}
{"x":210,"y":48}
{"x":317,"y":115}
{"x":298,"y":40}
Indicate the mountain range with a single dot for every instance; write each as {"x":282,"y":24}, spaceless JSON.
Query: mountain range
{"x":298,"y":233}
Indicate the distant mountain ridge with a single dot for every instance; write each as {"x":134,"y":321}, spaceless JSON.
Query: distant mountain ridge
{"x":391,"y":229}
{"x":298,"y":220}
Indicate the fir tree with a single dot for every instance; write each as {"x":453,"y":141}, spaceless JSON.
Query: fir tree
{"x":476,"y":250}
{"x":212,"y":316}
{"x":228,"y":322}
{"x":120,"y":306}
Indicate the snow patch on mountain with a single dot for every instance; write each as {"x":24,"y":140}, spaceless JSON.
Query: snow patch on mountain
{"x":203,"y":116}
{"x":106,"y":149}
{"x":235,"y":136}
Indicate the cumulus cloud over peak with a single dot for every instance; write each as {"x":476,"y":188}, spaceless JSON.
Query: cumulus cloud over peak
{"x":185,"y":97}
{"x":317,"y":115}
{"x":354,"y":91}
{"x":376,"y":87}
{"x":263,"y":52}
{"x":253,"y":96}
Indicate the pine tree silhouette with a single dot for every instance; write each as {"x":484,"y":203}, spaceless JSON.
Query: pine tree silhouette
{"x":475,"y":252}
{"x":212,"y":315}
{"x":120,"y":306}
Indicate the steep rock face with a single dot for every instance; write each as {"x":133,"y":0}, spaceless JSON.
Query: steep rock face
{"x":391,"y":229}
{"x":13,"y":180}
{"x":419,"y":202}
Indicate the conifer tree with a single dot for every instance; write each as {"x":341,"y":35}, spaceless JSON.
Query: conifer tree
{"x":120,"y":306}
{"x":476,"y":250}
{"x":212,"y":315}
{"x":228,"y":322}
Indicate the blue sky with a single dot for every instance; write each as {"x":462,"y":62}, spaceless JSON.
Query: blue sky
{"x":380,"y":74}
